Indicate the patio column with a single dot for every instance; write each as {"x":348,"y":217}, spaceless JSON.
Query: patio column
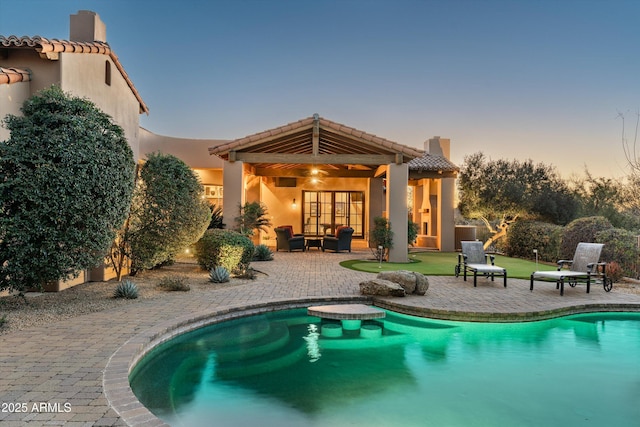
{"x":397,"y":181}
{"x":447,"y":222}
{"x":233,"y":194}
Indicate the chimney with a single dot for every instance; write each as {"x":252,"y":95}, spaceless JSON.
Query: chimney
{"x":86,"y":26}
{"x":438,"y":147}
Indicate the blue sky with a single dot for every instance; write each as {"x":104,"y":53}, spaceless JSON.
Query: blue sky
{"x":540,"y":80}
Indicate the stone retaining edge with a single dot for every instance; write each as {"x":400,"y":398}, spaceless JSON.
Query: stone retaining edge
{"x":115,"y":379}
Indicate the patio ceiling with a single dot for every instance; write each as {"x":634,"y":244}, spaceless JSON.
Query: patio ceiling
{"x":296,"y":148}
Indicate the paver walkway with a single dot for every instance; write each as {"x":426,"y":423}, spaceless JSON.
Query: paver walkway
{"x":57,"y":374}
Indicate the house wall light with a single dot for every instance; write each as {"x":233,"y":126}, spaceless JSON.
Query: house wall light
{"x":293,"y":204}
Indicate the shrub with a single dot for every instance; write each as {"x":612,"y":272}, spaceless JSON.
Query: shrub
{"x":262,"y":253}
{"x":525,"y":236}
{"x":66,"y":175}
{"x":412,"y":232}
{"x":219,"y":275}
{"x":174,"y":283}
{"x":382,"y":235}
{"x":126,"y":289}
{"x":168,"y":213}
{"x":3,"y":320}
{"x":581,"y":230}
{"x":225,"y":248}
{"x":216,"y":217}
{"x":620,"y":247}
{"x":614,"y":271}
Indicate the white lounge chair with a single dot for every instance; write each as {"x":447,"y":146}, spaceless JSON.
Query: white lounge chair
{"x":473,"y":259}
{"x":583,"y":268}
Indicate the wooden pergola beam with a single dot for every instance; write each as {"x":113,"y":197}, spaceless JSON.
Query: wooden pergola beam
{"x":310,"y":159}
{"x":304,"y":173}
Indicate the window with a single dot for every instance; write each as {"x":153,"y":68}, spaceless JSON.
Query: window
{"x":107,"y":72}
{"x":323,"y":211}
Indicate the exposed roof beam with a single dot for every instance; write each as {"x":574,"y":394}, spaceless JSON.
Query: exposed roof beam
{"x":304,"y":173}
{"x":315,"y":137}
{"x":381,"y":171}
{"x":329,"y":159}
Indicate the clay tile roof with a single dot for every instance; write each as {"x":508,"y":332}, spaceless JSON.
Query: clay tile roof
{"x":14,"y":75}
{"x":48,"y":48}
{"x":247,"y":140}
{"x":367,"y":138}
{"x":432,"y":163}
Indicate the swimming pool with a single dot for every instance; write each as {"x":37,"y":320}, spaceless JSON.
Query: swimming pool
{"x":279,"y":369}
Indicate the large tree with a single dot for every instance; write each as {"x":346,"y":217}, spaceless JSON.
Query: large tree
{"x":500,"y":191}
{"x":168,"y":212}
{"x":66,"y":179}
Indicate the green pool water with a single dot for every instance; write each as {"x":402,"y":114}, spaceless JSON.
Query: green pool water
{"x":278,"y":369}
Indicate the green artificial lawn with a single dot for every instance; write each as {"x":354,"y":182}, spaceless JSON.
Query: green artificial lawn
{"x":443,"y":264}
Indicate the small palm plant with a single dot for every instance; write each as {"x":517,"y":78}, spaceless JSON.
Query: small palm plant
{"x":219,"y":275}
{"x":252,"y":216}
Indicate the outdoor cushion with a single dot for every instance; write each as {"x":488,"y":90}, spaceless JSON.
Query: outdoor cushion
{"x":338,"y":229}
{"x":288,"y":227}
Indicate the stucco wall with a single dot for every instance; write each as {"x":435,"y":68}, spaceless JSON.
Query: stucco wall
{"x":11,"y":99}
{"x":44,"y":72}
{"x":194,"y":152}
{"x":84,"y":75}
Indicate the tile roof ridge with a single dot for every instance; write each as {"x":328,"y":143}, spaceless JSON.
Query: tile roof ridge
{"x":431,"y":162}
{"x":323,"y":122}
{"x":387,"y":143}
{"x":45,"y":45}
{"x":9,"y":75}
{"x":262,"y":134}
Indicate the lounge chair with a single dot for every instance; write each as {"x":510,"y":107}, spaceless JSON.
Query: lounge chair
{"x":473,"y":259}
{"x":287,"y":241}
{"x":340,"y":242}
{"x":583,"y":268}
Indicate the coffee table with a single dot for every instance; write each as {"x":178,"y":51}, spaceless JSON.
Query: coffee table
{"x":313,"y":242}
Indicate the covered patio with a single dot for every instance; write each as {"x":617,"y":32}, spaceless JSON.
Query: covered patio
{"x":316,"y":175}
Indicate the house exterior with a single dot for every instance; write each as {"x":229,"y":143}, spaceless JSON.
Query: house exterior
{"x":314,"y":173}
{"x":84,"y":66}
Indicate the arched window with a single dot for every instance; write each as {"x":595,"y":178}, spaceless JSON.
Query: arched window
{"x":107,"y":72}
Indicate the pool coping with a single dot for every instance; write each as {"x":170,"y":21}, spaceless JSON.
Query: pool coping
{"x":121,"y":398}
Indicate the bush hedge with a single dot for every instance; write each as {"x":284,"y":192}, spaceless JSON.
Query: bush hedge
{"x":224,"y":248}
{"x":620,"y":246}
{"x":524,"y":236}
{"x":581,"y":230}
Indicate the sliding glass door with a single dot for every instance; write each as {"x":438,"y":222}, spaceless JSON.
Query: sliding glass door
{"x":324,"y":211}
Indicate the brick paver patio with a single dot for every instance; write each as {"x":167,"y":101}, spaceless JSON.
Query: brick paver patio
{"x":73,"y":372}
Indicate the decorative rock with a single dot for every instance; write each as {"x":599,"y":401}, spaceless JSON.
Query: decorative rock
{"x":422,"y":283}
{"x":404,"y":278}
{"x":382,"y":288}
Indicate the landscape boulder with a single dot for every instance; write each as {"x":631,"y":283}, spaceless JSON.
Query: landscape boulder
{"x":381,"y":287}
{"x":422,"y":283}
{"x":411,"y":281}
{"x":404,"y":278}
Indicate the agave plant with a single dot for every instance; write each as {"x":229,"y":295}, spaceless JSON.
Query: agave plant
{"x":262,"y":253}
{"x":219,"y":275}
{"x":126,"y":289}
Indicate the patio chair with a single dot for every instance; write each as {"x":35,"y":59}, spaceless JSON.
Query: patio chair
{"x":287,"y":241}
{"x":473,"y":259}
{"x":583,"y":268}
{"x":340,"y":242}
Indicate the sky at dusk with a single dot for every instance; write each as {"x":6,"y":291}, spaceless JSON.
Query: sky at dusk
{"x":540,"y":80}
